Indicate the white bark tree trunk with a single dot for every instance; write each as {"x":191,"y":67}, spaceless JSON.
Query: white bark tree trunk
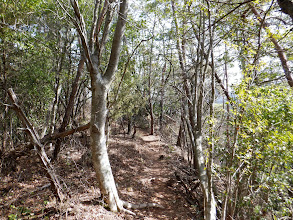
{"x":99,"y":147}
{"x":194,"y":112}
{"x":100,"y":84}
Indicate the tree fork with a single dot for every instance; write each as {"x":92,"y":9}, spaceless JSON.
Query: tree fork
{"x":100,"y":85}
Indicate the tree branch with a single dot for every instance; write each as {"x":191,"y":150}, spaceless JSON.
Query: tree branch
{"x":56,"y":135}
{"x":124,"y":71}
{"x":38,"y":146}
{"x":81,"y":29}
{"x":278,"y":48}
{"x":117,"y":42}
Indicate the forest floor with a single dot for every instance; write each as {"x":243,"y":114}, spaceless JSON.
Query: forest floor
{"x":145,"y":168}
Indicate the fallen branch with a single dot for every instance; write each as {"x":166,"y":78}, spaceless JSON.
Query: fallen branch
{"x":50,"y":138}
{"x":189,"y":189}
{"x":38,"y":146}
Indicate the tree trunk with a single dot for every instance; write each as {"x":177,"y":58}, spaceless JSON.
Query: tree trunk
{"x":162,"y":97}
{"x":151,"y":104}
{"x":193,"y":101}
{"x":69,"y":107}
{"x":5,"y":112}
{"x":99,"y":148}
{"x":180,"y":136}
{"x":129,"y":124}
{"x":100,"y":84}
{"x":54,"y":106}
{"x":209,"y":199}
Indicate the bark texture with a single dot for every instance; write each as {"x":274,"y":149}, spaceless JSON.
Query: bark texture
{"x":99,"y":148}
{"x":100,"y":86}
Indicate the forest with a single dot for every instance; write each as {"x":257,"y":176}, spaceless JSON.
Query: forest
{"x":146,"y":109}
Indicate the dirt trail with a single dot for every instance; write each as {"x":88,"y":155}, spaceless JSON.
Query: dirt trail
{"x":144,"y":172}
{"x":143,"y":168}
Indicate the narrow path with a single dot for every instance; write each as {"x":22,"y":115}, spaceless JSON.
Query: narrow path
{"x":144,"y":170}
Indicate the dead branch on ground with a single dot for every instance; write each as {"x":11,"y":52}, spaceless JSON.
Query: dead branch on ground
{"x":38,"y":146}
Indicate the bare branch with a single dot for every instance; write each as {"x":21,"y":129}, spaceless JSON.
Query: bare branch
{"x":125,"y":68}
{"x":234,"y":9}
{"x":81,"y":28}
{"x":101,"y":44}
{"x":94,"y":25}
{"x":278,"y":48}
{"x":37,"y":145}
{"x":50,"y":138}
{"x":101,"y":17}
{"x":219,"y":81}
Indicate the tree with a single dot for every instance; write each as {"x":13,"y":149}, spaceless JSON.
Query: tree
{"x":171,"y":57}
{"x":194,"y":97}
{"x":24,"y":52}
{"x":100,"y":85}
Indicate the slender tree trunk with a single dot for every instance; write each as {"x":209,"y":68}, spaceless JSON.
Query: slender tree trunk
{"x":205,"y":179}
{"x":180,"y":135}
{"x":163,"y":83}
{"x":211,"y":212}
{"x":58,"y":88}
{"x":129,"y":125}
{"x":5,"y":112}
{"x":54,"y":107}
{"x":162,"y":97}
{"x":152,"y":125}
{"x":151,"y":104}
{"x":70,"y":105}
{"x":195,"y":106}
{"x":228,"y":176}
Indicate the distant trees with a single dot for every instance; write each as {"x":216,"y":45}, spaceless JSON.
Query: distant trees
{"x":174,"y":71}
{"x":23,"y":64}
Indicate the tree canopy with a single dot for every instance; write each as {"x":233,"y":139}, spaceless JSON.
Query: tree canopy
{"x":215,"y":77}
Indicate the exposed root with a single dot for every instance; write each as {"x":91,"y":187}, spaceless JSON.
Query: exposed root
{"x":128,"y":211}
{"x":141,"y":206}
